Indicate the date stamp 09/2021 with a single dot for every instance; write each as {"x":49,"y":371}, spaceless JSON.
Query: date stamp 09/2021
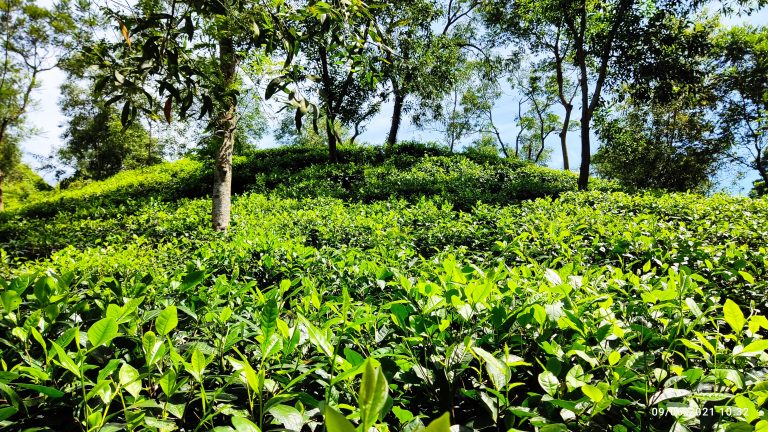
{"x":690,"y":412}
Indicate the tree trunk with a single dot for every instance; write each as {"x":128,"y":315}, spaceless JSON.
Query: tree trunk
{"x":397,"y":114}
{"x":564,"y":136}
{"x":759,"y":164}
{"x":2,"y":201}
{"x":333,"y":154}
{"x":225,"y":133}
{"x":586,"y":119}
{"x":586,"y":153}
{"x":586,"y":111}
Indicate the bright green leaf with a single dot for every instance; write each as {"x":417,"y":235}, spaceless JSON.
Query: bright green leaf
{"x":733,"y":316}
{"x":441,"y":424}
{"x":549,"y":382}
{"x":102,"y":332}
{"x":167,"y":320}
{"x":592,"y":392}
{"x":498,"y":371}
{"x":374,"y":391}
{"x":335,"y":422}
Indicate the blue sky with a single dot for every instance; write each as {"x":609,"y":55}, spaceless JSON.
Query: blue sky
{"x":47,"y":119}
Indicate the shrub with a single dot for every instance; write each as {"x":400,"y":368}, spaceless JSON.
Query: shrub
{"x":591,"y":311}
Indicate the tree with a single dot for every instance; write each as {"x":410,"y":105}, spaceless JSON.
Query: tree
{"x":594,"y":38}
{"x":542,"y":29}
{"x":663,"y":129}
{"x":188,"y":51}
{"x":25,"y":30}
{"x":428,"y":42}
{"x":96,"y":145}
{"x":673,"y":146}
{"x":459,"y":113}
{"x":743,"y":89}
{"x":339,"y":55}
{"x":539,"y":121}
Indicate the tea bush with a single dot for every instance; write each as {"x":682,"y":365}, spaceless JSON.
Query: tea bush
{"x":22,"y":186}
{"x":297,"y":170}
{"x":592,"y":311}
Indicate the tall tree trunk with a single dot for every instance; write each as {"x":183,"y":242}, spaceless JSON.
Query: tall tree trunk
{"x":566,"y":103}
{"x":2,"y":201}
{"x":586,"y":153}
{"x":333,"y":154}
{"x":586,"y":119}
{"x":330,"y":101}
{"x":760,"y":164}
{"x":397,"y":113}
{"x":225,"y":132}
{"x":564,"y":136}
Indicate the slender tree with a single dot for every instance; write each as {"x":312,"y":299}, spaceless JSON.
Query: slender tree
{"x":28,"y":50}
{"x":182,"y":56}
{"x":743,"y":88}
{"x":340,"y":54}
{"x":429,"y":40}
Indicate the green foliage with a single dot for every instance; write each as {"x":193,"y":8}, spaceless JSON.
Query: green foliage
{"x":27,"y":32}
{"x":758,"y":189}
{"x":743,"y":83}
{"x":582,"y":312}
{"x":672,"y":146}
{"x":96,"y":144}
{"x":134,"y":202}
{"x":23,"y":186}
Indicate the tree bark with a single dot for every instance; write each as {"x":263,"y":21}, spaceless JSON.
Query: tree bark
{"x":225,"y":132}
{"x":333,"y":154}
{"x":567,"y":104}
{"x":586,"y":153}
{"x":564,"y":136}
{"x":397,"y":115}
{"x":330,"y":102}
{"x":2,"y":201}
{"x":586,"y":119}
{"x":760,"y":162}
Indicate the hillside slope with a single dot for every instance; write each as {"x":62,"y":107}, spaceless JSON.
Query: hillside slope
{"x":589,"y":311}
{"x":23,"y":187}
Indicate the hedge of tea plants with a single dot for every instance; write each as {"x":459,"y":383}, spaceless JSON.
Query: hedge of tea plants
{"x":591,"y":311}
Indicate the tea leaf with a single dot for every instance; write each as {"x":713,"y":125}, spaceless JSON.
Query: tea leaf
{"x":167,"y":320}
{"x":288,"y":416}
{"x":48,"y":391}
{"x":335,"y":422}
{"x":65,"y":360}
{"x":268,"y":319}
{"x":497,"y":371}
{"x":734,"y":316}
{"x":130,"y":379}
{"x":102,"y":332}
{"x":441,"y":424}
{"x":756,"y":346}
{"x":549,"y":382}
{"x":592,"y":392}
{"x":242,"y":424}
{"x":374,"y":391}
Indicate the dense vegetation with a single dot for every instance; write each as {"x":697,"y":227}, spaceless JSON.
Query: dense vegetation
{"x":24,"y":186}
{"x":339,"y":286}
{"x":410,"y":171}
{"x":589,"y":311}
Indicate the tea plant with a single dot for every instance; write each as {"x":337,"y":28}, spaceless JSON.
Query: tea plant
{"x":592,"y":311}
